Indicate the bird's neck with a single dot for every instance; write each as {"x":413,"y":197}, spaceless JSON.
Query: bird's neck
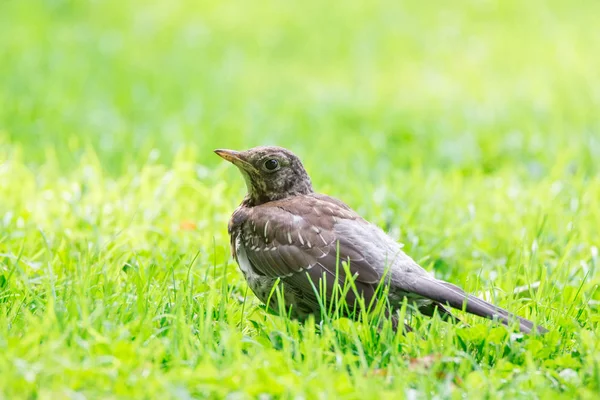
{"x":253,"y":199}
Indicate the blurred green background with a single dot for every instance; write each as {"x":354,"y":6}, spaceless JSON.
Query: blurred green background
{"x":469,"y":130}
{"x":468,"y":85}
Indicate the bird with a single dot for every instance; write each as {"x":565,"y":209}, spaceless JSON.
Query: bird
{"x":284,"y":233}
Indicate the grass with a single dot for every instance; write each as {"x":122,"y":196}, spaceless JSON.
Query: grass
{"x":469,"y":131}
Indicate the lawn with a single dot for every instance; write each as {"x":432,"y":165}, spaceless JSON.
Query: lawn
{"x":468,"y":130}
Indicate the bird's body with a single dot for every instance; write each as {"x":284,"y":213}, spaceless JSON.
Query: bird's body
{"x":290,"y":238}
{"x":285,"y":232}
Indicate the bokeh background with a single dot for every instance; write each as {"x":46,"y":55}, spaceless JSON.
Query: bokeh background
{"x":470,"y":85}
{"x":469,"y":130}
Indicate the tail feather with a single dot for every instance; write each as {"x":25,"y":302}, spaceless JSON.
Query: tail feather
{"x":445,"y":314}
{"x":446,"y":293}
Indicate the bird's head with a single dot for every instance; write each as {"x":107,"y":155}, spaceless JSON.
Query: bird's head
{"x":271,"y":173}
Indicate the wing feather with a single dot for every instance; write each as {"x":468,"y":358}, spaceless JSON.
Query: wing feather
{"x":299,"y":246}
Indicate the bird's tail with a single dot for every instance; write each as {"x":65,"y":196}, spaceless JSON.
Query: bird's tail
{"x":447,"y":293}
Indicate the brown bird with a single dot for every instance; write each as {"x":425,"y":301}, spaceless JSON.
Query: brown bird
{"x":285,"y":232}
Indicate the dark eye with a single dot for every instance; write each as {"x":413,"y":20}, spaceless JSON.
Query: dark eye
{"x":271,"y":164}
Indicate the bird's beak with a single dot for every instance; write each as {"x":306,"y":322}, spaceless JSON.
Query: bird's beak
{"x":230,"y":155}
{"x":234,"y":157}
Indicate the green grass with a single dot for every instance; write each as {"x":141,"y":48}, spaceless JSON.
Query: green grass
{"x":470,"y":131}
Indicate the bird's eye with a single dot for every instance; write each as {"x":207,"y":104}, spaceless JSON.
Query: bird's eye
{"x":271,"y":164}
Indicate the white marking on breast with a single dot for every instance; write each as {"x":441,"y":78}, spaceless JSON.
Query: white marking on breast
{"x":315,"y":229}
{"x":266,"y":226}
{"x":300,"y":238}
{"x":308,"y":244}
{"x":296,"y":219}
{"x":289,"y":235}
{"x":274,"y":248}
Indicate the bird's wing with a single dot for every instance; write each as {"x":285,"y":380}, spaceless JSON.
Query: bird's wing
{"x":293,"y":238}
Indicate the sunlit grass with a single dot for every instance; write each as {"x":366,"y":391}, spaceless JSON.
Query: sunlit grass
{"x":470,"y":133}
